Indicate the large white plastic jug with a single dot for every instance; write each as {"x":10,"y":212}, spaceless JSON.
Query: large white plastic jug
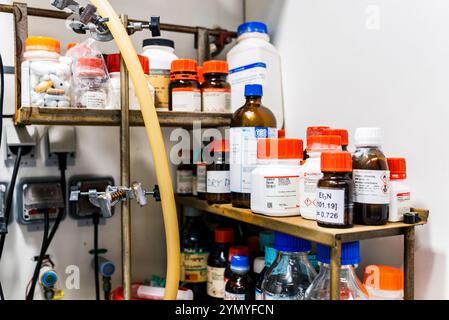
{"x":254,"y":60}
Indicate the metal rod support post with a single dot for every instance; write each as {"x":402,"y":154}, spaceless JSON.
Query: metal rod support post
{"x":125,"y":175}
{"x":409,"y":263}
{"x":335,"y":270}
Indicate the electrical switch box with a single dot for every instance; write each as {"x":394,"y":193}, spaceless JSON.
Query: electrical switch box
{"x":35,"y":196}
{"x":83,"y":209}
{"x":24,"y":138}
{"x":60,"y":139}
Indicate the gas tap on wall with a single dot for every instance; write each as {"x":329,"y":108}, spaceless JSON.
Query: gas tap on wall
{"x":113,"y":195}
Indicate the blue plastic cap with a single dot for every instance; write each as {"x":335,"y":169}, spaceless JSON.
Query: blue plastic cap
{"x":49,"y":278}
{"x":350,"y":253}
{"x":253,"y":26}
{"x":240,"y":263}
{"x":266,"y":239}
{"x":107,"y":269}
{"x":253,"y":90}
{"x":270,"y":256}
{"x":285,"y":242}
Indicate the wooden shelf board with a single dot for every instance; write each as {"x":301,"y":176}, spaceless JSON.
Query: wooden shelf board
{"x":300,"y":227}
{"x":107,"y":117}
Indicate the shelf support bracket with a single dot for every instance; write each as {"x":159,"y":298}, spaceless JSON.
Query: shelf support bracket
{"x":409,"y":263}
{"x":20,"y":14}
{"x":335,"y":269}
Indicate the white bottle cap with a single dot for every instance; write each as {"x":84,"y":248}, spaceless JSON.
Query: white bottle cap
{"x":369,"y":136}
{"x":258,"y":265}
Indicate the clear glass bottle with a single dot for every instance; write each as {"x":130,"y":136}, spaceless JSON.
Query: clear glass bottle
{"x":350,"y":286}
{"x":270,"y":257}
{"x":251,"y":122}
{"x":291,"y":273}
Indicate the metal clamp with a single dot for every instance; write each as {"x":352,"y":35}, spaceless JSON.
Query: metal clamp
{"x":113,"y":195}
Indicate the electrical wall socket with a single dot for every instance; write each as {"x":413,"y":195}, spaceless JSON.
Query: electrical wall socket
{"x":15,"y":137}
{"x":60,"y":139}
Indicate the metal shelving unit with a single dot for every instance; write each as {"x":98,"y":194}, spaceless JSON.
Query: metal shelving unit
{"x":309,"y":230}
{"x":124,"y":118}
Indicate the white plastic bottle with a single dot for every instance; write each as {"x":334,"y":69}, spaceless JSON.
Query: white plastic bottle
{"x":113,"y":64}
{"x":254,"y":60}
{"x":310,"y":172}
{"x":161,"y":53}
{"x":400,"y":191}
{"x":275,"y":180}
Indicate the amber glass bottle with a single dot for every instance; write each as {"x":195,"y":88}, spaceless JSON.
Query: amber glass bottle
{"x":218,"y":180}
{"x":371,"y":178}
{"x":216,"y":91}
{"x":251,"y":122}
{"x":239,"y":286}
{"x":335,"y":191}
{"x":185,"y":90}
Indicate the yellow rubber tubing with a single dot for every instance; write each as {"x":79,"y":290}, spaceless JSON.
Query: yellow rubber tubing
{"x":156,"y":141}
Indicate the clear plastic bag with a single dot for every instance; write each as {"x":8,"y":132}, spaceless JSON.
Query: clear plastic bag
{"x":90,"y":80}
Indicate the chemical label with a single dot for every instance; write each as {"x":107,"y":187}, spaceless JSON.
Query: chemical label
{"x":93,"y":99}
{"x":330,"y":206}
{"x":184,"y":180}
{"x":218,"y":182}
{"x":186,"y":99}
{"x":194,"y":266}
{"x":201,"y":177}
{"x":254,"y":73}
{"x":160,"y":80}
{"x":371,"y":186}
{"x":243,"y":155}
{"x":307,"y":189}
{"x":234,"y":296}
{"x":215,"y":282}
{"x":281,"y":192}
{"x":216,"y":100}
{"x":404,"y":205}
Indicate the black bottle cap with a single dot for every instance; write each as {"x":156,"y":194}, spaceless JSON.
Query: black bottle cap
{"x":411,"y":218}
{"x":159,"y":42}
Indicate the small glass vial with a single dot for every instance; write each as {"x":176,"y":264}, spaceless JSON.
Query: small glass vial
{"x":335,"y":191}
{"x":90,"y":83}
{"x":400,"y":190}
{"x":343,"y":133}
{"x":217,"y":173}
{"x":185,"y":91}
{"x":216,"y":91}
{"x":310,"y":172}
{"x":218,"y":261}
{"x":291,"y":273}
{"x":350,"y":286}
{"x":251,"y":122}
{"x":184,"y":175}
{"x":239,"y":285}
{"x":275,"y":180}
{"x":371,"y":178}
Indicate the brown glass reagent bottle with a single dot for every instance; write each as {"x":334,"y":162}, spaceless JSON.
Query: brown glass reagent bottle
{"x":216,"y":91}
{"x":251,"y":121}
{"x":184,"y":82}
{"x":371,"y":179}
{"x":335,"y":191}
{"x":218,"y":179}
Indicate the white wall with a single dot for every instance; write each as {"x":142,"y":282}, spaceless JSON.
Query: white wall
{"x":352,"y":63}
{"x":98,"y":153}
